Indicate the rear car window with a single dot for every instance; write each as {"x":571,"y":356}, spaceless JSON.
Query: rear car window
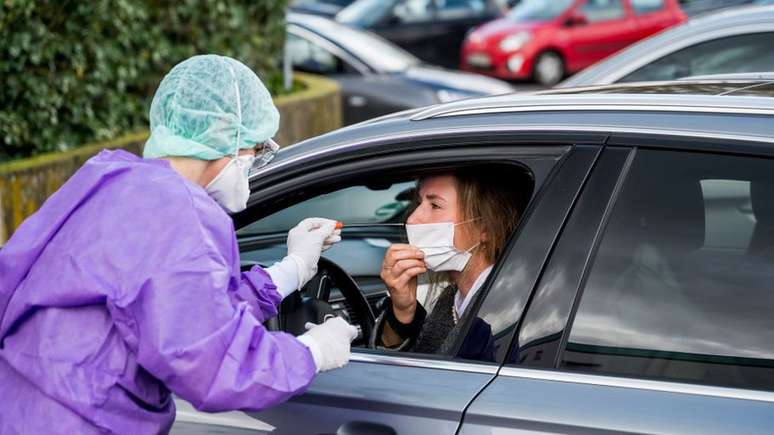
{"x":603,"y":10}
{"x":728,"y":55}
{"x":646,"y":6}
{"x":681,"y":287}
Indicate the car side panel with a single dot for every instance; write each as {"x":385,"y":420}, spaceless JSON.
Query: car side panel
{"x":524,"y":401}
{"x":408,"y":400}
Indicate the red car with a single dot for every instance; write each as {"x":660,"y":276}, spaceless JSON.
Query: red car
{"x":548,"y":39}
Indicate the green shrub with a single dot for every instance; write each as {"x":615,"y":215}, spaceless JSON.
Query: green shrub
{"x":73,"y":72}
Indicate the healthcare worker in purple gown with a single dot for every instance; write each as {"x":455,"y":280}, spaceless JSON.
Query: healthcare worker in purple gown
{"x":126,"y":286}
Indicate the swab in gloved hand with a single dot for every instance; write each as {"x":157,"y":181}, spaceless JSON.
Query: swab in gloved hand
{"x":340,"y":225}
{"x":307,"y":240}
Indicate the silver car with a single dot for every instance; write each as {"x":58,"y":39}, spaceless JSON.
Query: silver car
{"x":739,"y":40}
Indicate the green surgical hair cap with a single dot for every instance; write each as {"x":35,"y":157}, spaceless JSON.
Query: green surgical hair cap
{"x":208,"y":107}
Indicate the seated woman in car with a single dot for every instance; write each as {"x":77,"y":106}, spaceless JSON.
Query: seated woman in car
{"x":456,"y":233}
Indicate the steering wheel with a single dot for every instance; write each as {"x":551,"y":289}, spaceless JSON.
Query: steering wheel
{"x":311,"y":303}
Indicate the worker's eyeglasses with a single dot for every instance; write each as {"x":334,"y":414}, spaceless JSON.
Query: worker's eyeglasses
{"x":264,"y":153}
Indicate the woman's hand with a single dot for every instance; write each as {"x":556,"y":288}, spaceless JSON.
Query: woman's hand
{"x":402,"y":263}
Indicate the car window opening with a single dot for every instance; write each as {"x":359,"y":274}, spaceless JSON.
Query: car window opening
{"x":370,"y":208}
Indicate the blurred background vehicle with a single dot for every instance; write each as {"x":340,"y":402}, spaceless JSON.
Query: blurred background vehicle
{"x":548,"y":39}
{"x":326,"y":8}
{"x":696,"y":7}
{"x":376,"y":77}
{"x":739,"y":40}
{"x":432,"y":30}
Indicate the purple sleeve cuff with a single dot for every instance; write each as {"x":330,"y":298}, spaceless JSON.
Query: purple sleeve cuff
{"x":257,"y":289}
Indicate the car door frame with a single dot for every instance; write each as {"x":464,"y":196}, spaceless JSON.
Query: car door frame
{"x":448,"y":376}
{"x":611,"y":35}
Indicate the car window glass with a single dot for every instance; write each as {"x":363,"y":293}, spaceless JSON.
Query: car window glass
{"x":309,"y":57}
{"x":646,"y":6}
{"x":373,"y":218}
{"x":366,"y":13}
{"x":538,"y":10}
{"x":354,"y":205}
{"x":450,"y":9}
{"x":361,"y":250}
{"x":369,"y":48}
{"x":602,"y":10}
{"x":729,"y":220}
{"x":412,"y":11}
{"x":681,"y":285}
{"x":733,"y":54}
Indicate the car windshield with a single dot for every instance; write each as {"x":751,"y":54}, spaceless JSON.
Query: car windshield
{"x":381,"y":55}
{"x":538,"y":10}
{"x":378,"y":53}
{"x":365,"y":13}
{"x":359,"y":205}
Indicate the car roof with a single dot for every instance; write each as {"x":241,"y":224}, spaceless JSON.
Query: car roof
{"x":740,"y":20}
{"x":748,"y":96}
{"x":759,"y":86}
{"x":718,"y":112}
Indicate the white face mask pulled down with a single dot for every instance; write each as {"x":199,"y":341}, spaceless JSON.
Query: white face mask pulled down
{"x":436,"y":241}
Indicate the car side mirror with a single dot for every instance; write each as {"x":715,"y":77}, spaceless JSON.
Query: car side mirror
{"x":576,"y":19}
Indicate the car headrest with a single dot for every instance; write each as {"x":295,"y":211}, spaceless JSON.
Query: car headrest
{"x":667,"y":214}
{"x":673,"y":213}
{"x":762,"y":198}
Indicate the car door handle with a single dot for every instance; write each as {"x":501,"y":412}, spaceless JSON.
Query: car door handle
{"x":365,"y":428}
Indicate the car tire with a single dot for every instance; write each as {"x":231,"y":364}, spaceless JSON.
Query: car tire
{"x":548,"y":69}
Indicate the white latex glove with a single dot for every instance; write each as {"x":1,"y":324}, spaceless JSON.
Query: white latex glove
{"x":284,"y":275}
{"x":329,"y":343}
{"x":307,"y":240}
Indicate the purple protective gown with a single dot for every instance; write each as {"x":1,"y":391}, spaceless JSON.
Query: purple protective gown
{"x":123,"y":287}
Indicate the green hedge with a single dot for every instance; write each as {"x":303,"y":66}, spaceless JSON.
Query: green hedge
{"x":73,"y":72}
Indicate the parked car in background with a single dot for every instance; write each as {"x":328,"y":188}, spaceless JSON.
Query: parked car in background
{"x":376,"y":77}
{"x":634,"y":296}
{"x":548,"y":39}
{"x":739,"y":40}
{"x":326,"y":8}
{"x":432,"y":30}
{"x":697,"y":7}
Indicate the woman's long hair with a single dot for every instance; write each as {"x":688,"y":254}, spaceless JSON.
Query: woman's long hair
{"x":492,"y":198}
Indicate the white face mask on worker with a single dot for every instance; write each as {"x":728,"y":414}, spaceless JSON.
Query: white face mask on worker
{"x":231,"y":187}
{"x":436,"y":241}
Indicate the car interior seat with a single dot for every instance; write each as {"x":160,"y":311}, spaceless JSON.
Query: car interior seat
{"x":762,"y":241}
{"x":661,"y":223}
